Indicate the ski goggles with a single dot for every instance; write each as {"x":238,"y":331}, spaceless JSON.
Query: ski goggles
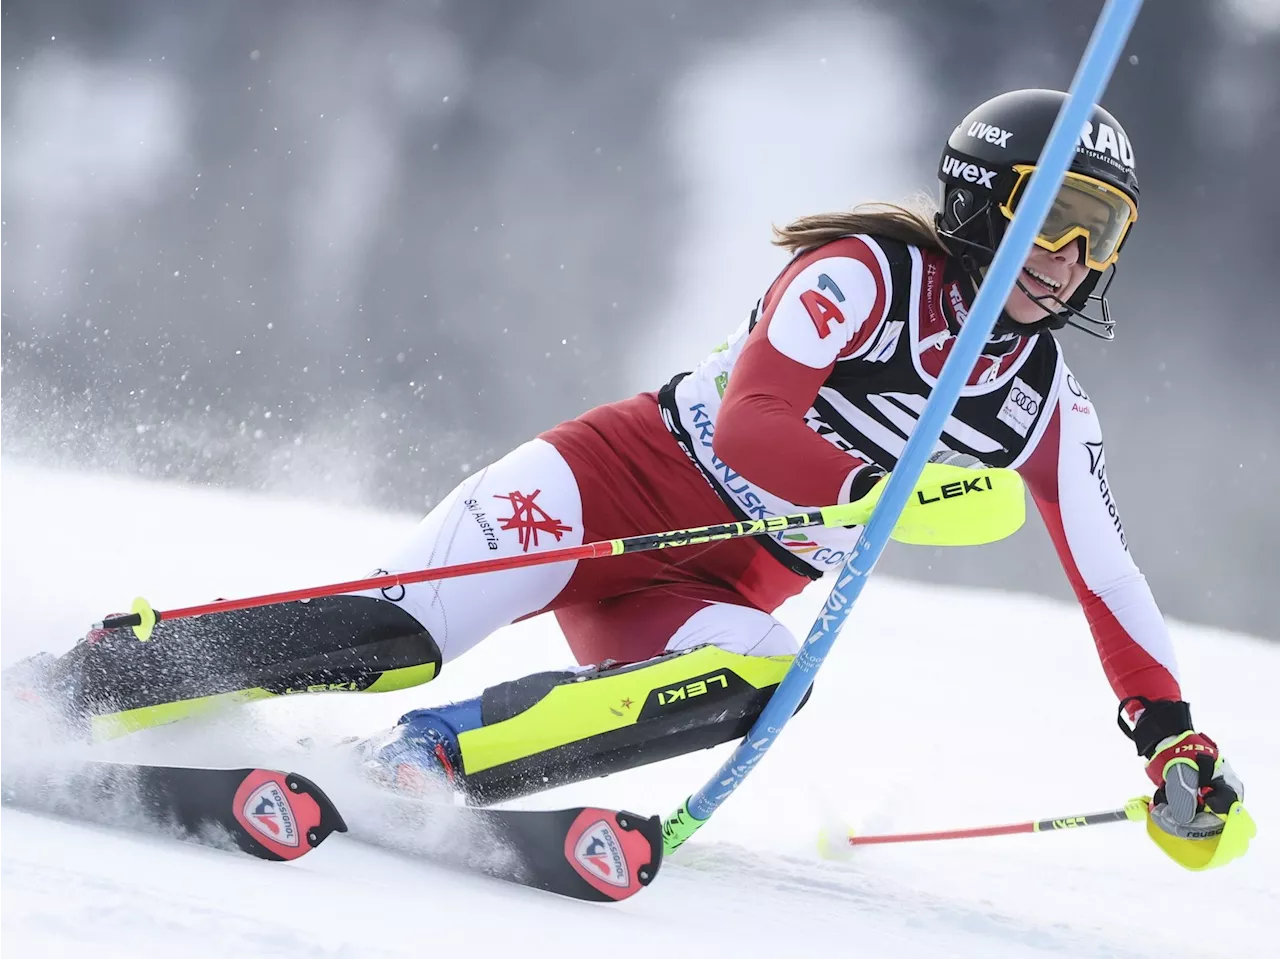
{"x":1084,"y":208}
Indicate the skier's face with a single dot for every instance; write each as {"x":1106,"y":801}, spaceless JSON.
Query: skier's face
{"x":1063,"y":272}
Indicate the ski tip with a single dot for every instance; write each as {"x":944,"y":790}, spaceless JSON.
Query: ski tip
{"x":615,"y":853}
{"x":282,"y":815}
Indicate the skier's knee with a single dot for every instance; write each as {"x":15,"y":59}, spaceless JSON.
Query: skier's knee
{"x":736,"y":629}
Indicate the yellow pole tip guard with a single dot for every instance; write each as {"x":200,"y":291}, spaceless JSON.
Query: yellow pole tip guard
{"x":148,"y":617}
{"x":1200,"y":854}
{"x":831,"y":849}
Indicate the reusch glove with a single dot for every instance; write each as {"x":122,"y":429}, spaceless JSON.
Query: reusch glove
{"x":863,"y":481}
{"x":1195,"y":786}
{"x":954,"y":458}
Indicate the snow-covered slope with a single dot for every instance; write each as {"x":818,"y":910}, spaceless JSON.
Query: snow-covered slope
{"x":937,"y":708}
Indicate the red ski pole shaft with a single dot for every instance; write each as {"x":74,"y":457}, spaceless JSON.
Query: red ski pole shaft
{"x":1134,"y":810}
{"x":143,"y":618}
{"x":387,"y":581}
{"x":943,"y":516}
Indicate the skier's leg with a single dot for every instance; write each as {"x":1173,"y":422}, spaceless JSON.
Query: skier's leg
{"x":374,"y":641}
{"x":116,"y":684}
{"x":713,"y":673}
{"x":526,"y":502}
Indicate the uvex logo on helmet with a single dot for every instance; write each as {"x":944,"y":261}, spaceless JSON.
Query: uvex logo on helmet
{"x":969,"y":172}
{"x":991,"y":134}
{"x":1106,"y":139}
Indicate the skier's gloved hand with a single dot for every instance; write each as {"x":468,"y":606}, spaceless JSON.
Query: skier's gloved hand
{"x":862,"y":480}
{"x":954,"y":458}
{"x":859,"y":482}
{"x":1195,"y":786}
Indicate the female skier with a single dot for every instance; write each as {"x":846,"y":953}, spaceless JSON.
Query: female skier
{"x":807,"y":404}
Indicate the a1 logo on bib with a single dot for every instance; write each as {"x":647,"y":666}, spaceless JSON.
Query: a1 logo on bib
{"x":1021,"y":407}
{"x":599,"y":852}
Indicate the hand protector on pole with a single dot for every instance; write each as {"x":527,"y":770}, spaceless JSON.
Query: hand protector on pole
{"x":1197,"y":815}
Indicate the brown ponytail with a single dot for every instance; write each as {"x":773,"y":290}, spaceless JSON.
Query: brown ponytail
{"x":914,"y":227}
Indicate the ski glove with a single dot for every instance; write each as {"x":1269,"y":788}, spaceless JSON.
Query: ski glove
{"x":954,"y":458}
{"x":863,"y":479}
{"x":1195,"y":786}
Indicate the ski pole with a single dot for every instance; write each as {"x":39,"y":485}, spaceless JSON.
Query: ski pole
{"x":1135,"y":810}
{"x":953,"y":506}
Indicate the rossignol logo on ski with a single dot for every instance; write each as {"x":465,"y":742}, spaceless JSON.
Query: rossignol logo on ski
{"x":969,"y":172}
{"x":268,"y":811}
{"x":529,"y":519}
{"x":599,"y":851}
{"x":991,"y":134}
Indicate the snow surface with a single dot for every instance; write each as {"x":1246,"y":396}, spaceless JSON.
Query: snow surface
{"x":937,"y":708}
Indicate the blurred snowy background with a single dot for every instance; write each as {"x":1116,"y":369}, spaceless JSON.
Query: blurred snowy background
{"x":355,"y":250}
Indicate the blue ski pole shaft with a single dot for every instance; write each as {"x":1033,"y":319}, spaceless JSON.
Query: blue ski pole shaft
{"x":1096,"y":65}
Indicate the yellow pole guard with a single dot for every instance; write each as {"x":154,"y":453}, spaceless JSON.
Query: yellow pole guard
{"x":950,"y":506}
{"x":1200,"y":854}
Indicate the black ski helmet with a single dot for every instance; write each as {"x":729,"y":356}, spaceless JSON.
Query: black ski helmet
{"x":985,"y":167}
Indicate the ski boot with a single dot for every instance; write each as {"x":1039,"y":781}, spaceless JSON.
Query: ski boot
{"x":420,"y":755}
{"x":43,"y":690}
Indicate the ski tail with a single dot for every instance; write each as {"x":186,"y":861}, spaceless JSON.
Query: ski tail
{"x":588,"y":853}
{"x":585,"y":852}
{"x":280,"y":816}
{"x":266,"y":813}
{"x":615,"y":853}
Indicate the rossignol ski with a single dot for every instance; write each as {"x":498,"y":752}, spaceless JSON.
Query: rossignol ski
{"x":264,"y":812}
{"x":587,"y":853}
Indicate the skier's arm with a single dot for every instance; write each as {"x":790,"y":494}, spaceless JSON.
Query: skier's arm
{"x":1067,"y":476}
{"x":823,"y":308}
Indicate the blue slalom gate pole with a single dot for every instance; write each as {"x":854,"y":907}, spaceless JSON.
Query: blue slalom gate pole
{"x":1092,"y":74}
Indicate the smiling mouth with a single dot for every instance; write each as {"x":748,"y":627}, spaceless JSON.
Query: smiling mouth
{"x":1043,"y":280}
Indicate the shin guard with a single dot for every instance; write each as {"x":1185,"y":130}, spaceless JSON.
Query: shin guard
{"x":554,"y":728}
{"x":337,"y":643}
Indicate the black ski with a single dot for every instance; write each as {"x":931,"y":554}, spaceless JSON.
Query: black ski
{"x":588,"y":853}
{"x":598,"y":855}
{"x":269,"y":814}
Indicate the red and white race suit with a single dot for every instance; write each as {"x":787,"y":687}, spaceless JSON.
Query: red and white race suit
{"x":830,"y":373}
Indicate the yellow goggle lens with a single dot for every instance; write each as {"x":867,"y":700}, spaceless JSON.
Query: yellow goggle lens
{"x":1084,"y":208}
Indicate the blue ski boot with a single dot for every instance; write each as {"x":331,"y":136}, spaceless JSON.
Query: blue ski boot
{"x":420,"y":755}
{"x":42,"y":692}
